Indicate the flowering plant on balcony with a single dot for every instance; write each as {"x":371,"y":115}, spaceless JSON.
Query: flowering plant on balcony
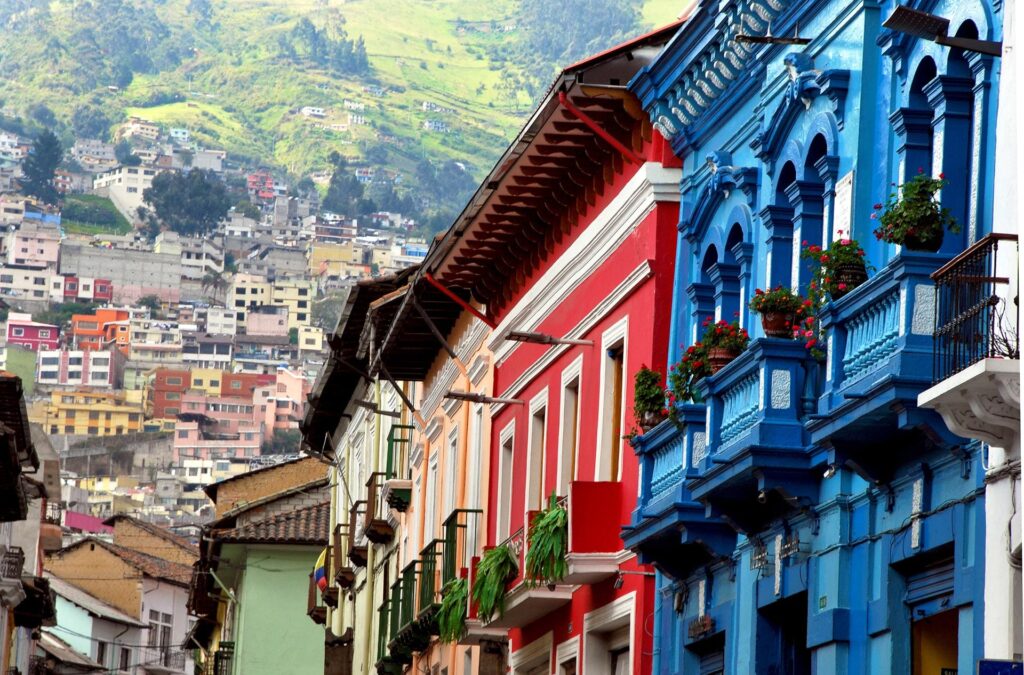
{"x":548,"y":543}
{"x":780,"y":309}
{"x":722,"y":342}
{"x":838,"y":269}
{"x":913,"y":216}
{"x":496,"y":568}
{"x":648,"y":398}
{"x":451,"y":615}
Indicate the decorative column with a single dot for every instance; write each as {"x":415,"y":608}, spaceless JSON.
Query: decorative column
{"x":952,"y":100}
{"x":806,"y":198}
{"x":725,"y":278}
{"x":914,"y":129}
{"x":984,"y":122}
{"x":778,"y":220}
{"x":828,"y":169}
{"x":743,"y":252}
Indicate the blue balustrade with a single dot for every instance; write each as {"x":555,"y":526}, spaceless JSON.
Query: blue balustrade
{"x":879,"y":347}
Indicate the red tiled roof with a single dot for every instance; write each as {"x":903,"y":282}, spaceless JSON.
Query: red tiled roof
{"x":309,"y":525}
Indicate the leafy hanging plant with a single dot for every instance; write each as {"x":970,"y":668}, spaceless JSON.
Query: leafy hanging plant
{"x":549,"y":541}
{"x":451,"y":616}
{"x":497,"y":566}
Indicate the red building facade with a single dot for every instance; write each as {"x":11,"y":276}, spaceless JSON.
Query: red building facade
{"x":169,"y":384}
{"x":24,"y":332}
{"x":572,"y":248}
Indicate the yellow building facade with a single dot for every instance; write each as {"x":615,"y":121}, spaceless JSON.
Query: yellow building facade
{"x":91,"y":414}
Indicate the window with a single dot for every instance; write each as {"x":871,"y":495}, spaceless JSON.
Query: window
{"x":99,"y":376}
{"x":39,"y":281}
{"x":173,"y":381}
{"x":6,"y":278}
{"x":613,"y":366}
{"x":160,"y":625}
{"x":197,"y":382}
{"x":429,"y":510}
{"x":607,"y":638}
{"x":101,"y":653}
{"x":126,"y":658}
{"x":451,"y":471}
{"x":504,"y":526}
{"x":476,"y":430}
{"x":68,"y":429}
{"x":75,"y":361}
{"x":172,"y":396}
{"x":17,"y":332}
{"x":570,"y":427}
{"x":535,"y":459}
{"x":44,"y":332}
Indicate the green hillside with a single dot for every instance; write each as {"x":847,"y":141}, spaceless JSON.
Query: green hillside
{"x":238,"y":72}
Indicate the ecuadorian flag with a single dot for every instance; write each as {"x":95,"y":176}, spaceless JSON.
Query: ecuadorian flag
{"x":319,"y":573}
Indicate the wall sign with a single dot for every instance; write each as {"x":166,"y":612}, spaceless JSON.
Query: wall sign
{"x":842,"y":207}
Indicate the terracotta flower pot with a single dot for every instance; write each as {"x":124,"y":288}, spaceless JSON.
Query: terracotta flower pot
{"x":651,"y":419}
{"x":850,"y":275}
{"x":718,"y":358}
{"x":777,"y":324}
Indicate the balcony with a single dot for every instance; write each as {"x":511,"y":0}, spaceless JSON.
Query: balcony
{"x":756,"y":467}
{"x":157,"y":659}
{"x":344,"y":575}
{"x":377,"y":529}
{"x":525,"y":602}
{"x":397,"y":492}
{"x":411,"y":634}
{"x":595,"y":549}
{"x":976,"y":342}
{"x":318,"y":613}
{"x":880,"y":357}
{"x":669,"y":528}
{"x":461,"y":528}
{"x":356,"y":547}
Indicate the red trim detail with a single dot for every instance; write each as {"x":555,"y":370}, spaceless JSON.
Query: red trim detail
{"x":596,"y":128}
{"x":457,"y":300}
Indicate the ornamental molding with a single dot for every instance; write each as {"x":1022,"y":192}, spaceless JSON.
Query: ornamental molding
{"x":725,"y":178}
{"x":981,"y":402}
{"x":713,"y":72}
{"x":805,"y":85}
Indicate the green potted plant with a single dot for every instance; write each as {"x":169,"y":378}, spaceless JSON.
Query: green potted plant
{"x":548,"y":543}
{"x":648,"y":398}
{"x":780,"y":308}
{"x":913,"y":216}
{"x":451,"y":615}
{"x":496,"y":568}
{"x":838,"y":269}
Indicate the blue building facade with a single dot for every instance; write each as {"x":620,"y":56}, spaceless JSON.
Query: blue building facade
{"x":808,"y":517}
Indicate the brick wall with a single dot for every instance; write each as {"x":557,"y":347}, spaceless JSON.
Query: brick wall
{"x":316,"y":494}
{"x":265,"y":482}
{"x":130,"y":535}
{"x":100,"y":573}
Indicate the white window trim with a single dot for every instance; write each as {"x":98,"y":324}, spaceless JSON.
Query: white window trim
{"x":538,"y":402}
{"x":566,"y":651}
{"x":451,"y":472}
{"x":604,"y":618}
{"x":574,"y":371}
{"x":504,"y":511}
{"x":532,"y":655}
{"x":619,"y":331}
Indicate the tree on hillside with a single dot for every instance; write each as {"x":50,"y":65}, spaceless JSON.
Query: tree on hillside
{"x":150,"y":302}
{"x":39,"y":166}
{"x":90,"y":122}
{"x":189,"y":203}
{"x":124,"y":153}
{"x":344,"y":190}
{"x":283,"y":442}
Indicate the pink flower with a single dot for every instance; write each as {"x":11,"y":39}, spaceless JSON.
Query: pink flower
{"x":874,"y":216}
{"x":842,"y":287}
{"x":942,"y":176}
{"x":844,"y":242}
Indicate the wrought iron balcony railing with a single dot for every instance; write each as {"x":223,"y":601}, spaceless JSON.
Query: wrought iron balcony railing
{"x":168,"y":658}
{"x":976,"y":306}
{"x":460,"y":531}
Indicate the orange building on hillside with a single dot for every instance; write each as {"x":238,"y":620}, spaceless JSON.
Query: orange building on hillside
{"x":101,"y":330}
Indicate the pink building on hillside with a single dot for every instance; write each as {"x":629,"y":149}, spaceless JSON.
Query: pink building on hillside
{"x":282,"y":405}
{"x":24,"y":332}
{"x":34,"y":245}
{"x":216,"y":427}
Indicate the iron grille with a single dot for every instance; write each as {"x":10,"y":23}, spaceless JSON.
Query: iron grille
{"x":976,"y":306}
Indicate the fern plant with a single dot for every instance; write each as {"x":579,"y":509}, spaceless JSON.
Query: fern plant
{"x":549,"y":541}
{"x":496,"y":567}
{"x":451,"y":616}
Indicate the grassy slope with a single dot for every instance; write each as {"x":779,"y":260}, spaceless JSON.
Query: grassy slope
{"x":122,"y":226}
{"x":241,"y":96}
